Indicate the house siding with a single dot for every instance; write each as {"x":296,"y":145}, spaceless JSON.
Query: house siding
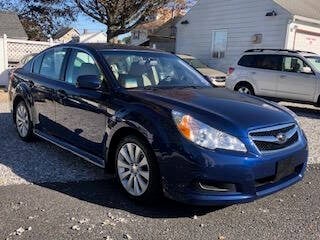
{"x":240,"y":18}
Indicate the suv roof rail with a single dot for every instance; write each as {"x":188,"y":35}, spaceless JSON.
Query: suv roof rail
{"x":277,"y":50}
{"x":271,"y":49}
{"x":306,"y":52}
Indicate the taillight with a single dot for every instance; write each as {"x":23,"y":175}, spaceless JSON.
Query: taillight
{"x":230,"y":71}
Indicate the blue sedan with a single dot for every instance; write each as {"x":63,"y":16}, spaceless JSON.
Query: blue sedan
{"x":157,"y":124}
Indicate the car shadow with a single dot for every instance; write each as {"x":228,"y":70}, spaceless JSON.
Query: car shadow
{"x":43,"y":164}
{"x":107,"y":193}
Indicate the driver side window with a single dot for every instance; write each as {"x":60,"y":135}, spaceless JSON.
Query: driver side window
{"x":81,"y":64}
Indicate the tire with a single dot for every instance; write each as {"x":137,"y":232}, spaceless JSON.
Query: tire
{"x":136,"y":169}
{"x":245,"y":88}
{"x":23,"y":122}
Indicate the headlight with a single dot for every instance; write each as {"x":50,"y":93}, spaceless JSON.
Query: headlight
{"x":204,"y":135}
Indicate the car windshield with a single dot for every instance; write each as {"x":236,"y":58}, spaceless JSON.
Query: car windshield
{"x":146,"y":69}
{"x":196,"y":63}
{"x":315,"y":61}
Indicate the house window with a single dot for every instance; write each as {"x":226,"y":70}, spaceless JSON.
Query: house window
{"x":219,"y":43}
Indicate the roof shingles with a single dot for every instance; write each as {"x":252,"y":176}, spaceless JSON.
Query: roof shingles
{"x":11,"y":26}
{"x":304,"y":8}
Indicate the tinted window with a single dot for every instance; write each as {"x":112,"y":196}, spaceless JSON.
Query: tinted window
{"x":37,"y":63}
{"x":27,"y":66}
{"x":263,"y":61}
{"x":293,"y":64}
{"x":81,"y":64}
{"x":248,"y":61}
{"x":52,"y":63}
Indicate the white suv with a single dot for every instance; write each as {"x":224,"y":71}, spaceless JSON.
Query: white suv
{"x":282,"y":74}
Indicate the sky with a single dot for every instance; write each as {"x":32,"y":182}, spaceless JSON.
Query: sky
{"x":86,"y":22}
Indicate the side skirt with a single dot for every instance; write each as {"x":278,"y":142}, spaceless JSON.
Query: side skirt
{"x":66,"y":146}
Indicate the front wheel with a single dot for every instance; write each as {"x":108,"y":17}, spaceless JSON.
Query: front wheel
{"x":136,"y":169}
{"x":23,"y":122}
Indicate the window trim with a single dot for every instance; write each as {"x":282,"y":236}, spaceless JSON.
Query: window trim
{"x":42,"y":54}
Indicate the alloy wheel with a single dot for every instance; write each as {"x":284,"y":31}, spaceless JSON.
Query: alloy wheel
{"x":22,"y":120}
{"x":133,"y":169}
{"x":244,"y":90}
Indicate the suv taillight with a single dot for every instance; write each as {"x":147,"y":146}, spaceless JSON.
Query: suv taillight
{"x":230,"y":71}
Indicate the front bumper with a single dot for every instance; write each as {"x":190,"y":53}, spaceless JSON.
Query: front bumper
{"x":247,"y":176}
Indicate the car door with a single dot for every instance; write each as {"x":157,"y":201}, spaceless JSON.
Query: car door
{"x":293,"y":82}
{"x":265,"y":74}
{"x":81,"y":113}
{"x":46,"y":75}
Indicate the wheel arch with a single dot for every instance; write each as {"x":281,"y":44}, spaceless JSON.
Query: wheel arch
{"x":18,"y":98}
{"x":245,"y":83}
{"x":114,"y":141}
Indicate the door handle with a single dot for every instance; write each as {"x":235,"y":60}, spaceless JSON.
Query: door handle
{"x":253,"y":73}
{"x":283,"y":76}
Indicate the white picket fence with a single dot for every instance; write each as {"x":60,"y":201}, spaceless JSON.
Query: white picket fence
{"x":13,"y":50}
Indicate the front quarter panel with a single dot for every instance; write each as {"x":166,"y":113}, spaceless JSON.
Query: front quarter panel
{"x":150,"y":120}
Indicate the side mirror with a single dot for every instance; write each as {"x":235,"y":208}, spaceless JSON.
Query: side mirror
{"x":307,"y":70}
{"x":89,"y":82}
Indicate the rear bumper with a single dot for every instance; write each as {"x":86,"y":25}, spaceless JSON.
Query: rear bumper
{"x":249,"y":177}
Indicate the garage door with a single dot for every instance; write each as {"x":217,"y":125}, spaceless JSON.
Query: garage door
{"x":307,"y":41}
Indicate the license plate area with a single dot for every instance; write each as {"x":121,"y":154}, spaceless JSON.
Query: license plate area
{"x":285,"y":168}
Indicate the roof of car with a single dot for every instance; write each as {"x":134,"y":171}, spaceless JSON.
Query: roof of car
{"x":107,"y":46}
{"x":278,"y":51}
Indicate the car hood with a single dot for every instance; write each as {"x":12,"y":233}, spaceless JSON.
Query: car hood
{"x":220,"y":108}
{"x":211,"y":72}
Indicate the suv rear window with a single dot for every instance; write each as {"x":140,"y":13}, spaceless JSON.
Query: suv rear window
{"x":263,"y":61}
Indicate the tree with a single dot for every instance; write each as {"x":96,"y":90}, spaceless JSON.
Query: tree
{"x":120,"y":16}
{"x":41,"y":18}
{"x":180,"y":7}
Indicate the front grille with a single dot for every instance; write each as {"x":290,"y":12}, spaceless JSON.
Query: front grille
{"x":273,"y":132}
{"x":275,"y":138}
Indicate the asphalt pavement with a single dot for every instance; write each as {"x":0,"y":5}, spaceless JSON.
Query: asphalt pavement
{"x":98,"y":210}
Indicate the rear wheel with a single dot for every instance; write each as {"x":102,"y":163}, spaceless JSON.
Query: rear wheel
{"x":245,"y":88}
{"x":23,"y":122}
{"x":136,"y":169}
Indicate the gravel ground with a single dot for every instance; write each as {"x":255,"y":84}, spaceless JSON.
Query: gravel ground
{"x":98,"y":210}
{"x":71,"y":199}
{"x":39,"y":161}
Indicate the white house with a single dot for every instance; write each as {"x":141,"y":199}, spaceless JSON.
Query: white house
{"x":97,"y":37}
{"x":218,"y":31}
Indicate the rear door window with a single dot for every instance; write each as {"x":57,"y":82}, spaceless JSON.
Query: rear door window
{"x":37,"y":64}
{"x":52,"y":63}
{"x":262,"y":61}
